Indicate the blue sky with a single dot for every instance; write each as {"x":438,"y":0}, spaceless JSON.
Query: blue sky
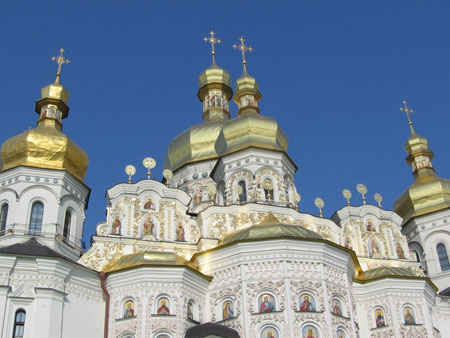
{"x":333,"y":74}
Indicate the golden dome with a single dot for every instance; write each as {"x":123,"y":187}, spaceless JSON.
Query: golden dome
{"x":55,"y":91}
{"x":46,"y":146}
{"x":193,"y":145}
{"x":429,"y":192}
{"x":149,"y":258}
{"x":198,"y":142}
{"x":270,"y":228}
{"x":214,"y":77}
{"x":251,"y":130}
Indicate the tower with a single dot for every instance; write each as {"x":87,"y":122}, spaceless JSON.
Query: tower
{"x":42,"y":193}
{"x":425,"y":208}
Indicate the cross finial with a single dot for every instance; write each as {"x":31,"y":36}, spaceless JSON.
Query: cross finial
{"x":60,"y":60}
{"x":243,"y":49}
{"x":212,"y":40}
{"x":408,"y":111}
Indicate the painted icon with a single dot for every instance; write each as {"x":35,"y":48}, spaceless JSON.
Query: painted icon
{"x":269,"y":332}
{"x":163,"y":306}
{"x":150,"y":204}
{"x":228,"y":310}
{"x":266,"y":303}
{"x":379,"y":318}
{"x":116,"y":225}
{"x":409,"y":316}
{"x":190,"y":312}
{"x":149,"y":227}
{"x":129,"y":309}
{"x":307,"y":303}
{"x":310,"y":331}
{"x":336,"y":307}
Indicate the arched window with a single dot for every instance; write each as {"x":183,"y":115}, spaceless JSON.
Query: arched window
{"x":443,"y":257}
{"x":19,"y":324}
{"x":243,"y":192}
{"x":67,"y":223}
{"x":37,"y":213}
{"x":3,"y":216}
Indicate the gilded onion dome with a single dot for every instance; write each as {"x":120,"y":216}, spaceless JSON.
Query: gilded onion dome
{"x":197,"y":143}
{"x":270,"y":228}
{"x":429,"y":192}
{"x":46,"y":146}
{"x":250,"y":129}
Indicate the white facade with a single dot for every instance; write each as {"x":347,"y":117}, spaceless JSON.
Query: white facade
{"x":223,"y":242}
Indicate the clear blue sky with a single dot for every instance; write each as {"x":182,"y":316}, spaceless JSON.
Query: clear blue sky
{"x":333,"y":73}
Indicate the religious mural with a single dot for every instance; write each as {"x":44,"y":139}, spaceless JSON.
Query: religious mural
{"x":190,"y":312}
{"x":336,"y":307}
{"x":227,"y":310}
{"x":163,"y":306}
{"x":129,"y":309}
{"x":149,"y":204}
{"x":179,"y":232}
{"x":310,"y":331}
{"x":399,"y":249}
{"x":266,"y":303}
{"x":148,"y":227}
{"x":370,"y":226}
{"x":269,"y":332}
{"x":116,"y":226}
{"x":379,"y":318}
{"x":373,"y":247}
{"x":408,"y":315}
{"x":197,"y":197}
{"x":307,"y":303}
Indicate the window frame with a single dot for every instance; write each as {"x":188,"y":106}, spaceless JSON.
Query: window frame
{"x":443,"y":260}
{"x":19,"y":324}
{"x":3,"y":217}
{"x":36,"y":221}
{"x":67,"y":224}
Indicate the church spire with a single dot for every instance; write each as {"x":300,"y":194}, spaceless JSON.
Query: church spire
{"x":247,"y":94}
{"x":52,"y":107}
{"x":243,"y":48}
{"x":212,"y":40}
{"x":419,"y":155}
{"x":215,"y":91}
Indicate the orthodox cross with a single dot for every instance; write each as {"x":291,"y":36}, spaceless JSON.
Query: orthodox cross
{"x":212,"y":40}
{"x":243,"y":49}
{"x":60,"y":60}
{"x":408,"y":111}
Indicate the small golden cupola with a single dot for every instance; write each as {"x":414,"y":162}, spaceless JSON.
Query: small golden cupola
{"x":429,"y":192}
{"x":250,"y":129}
{"x":197,"y":143}
{"x":46,"y":146}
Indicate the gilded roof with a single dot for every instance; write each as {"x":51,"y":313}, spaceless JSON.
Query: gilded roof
{"x":388,"y":271}
{"x":149,"y":258}
{"x":270,"y":228}
{"x":193,"y":145}
{"x":251,"y":130}
{"x":429,"y":192}
{"x":45,"y":147}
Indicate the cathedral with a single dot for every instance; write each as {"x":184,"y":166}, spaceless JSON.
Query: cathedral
{"x":219,"y":248}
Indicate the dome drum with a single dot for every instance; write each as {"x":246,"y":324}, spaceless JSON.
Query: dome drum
{"x":62,"y":106}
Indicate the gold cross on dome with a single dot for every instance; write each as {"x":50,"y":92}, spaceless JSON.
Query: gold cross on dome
{"x":408,"y":111}
{"x":60,"y":60}
{"x":212,"y":40}
{"x":243,"y":49}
